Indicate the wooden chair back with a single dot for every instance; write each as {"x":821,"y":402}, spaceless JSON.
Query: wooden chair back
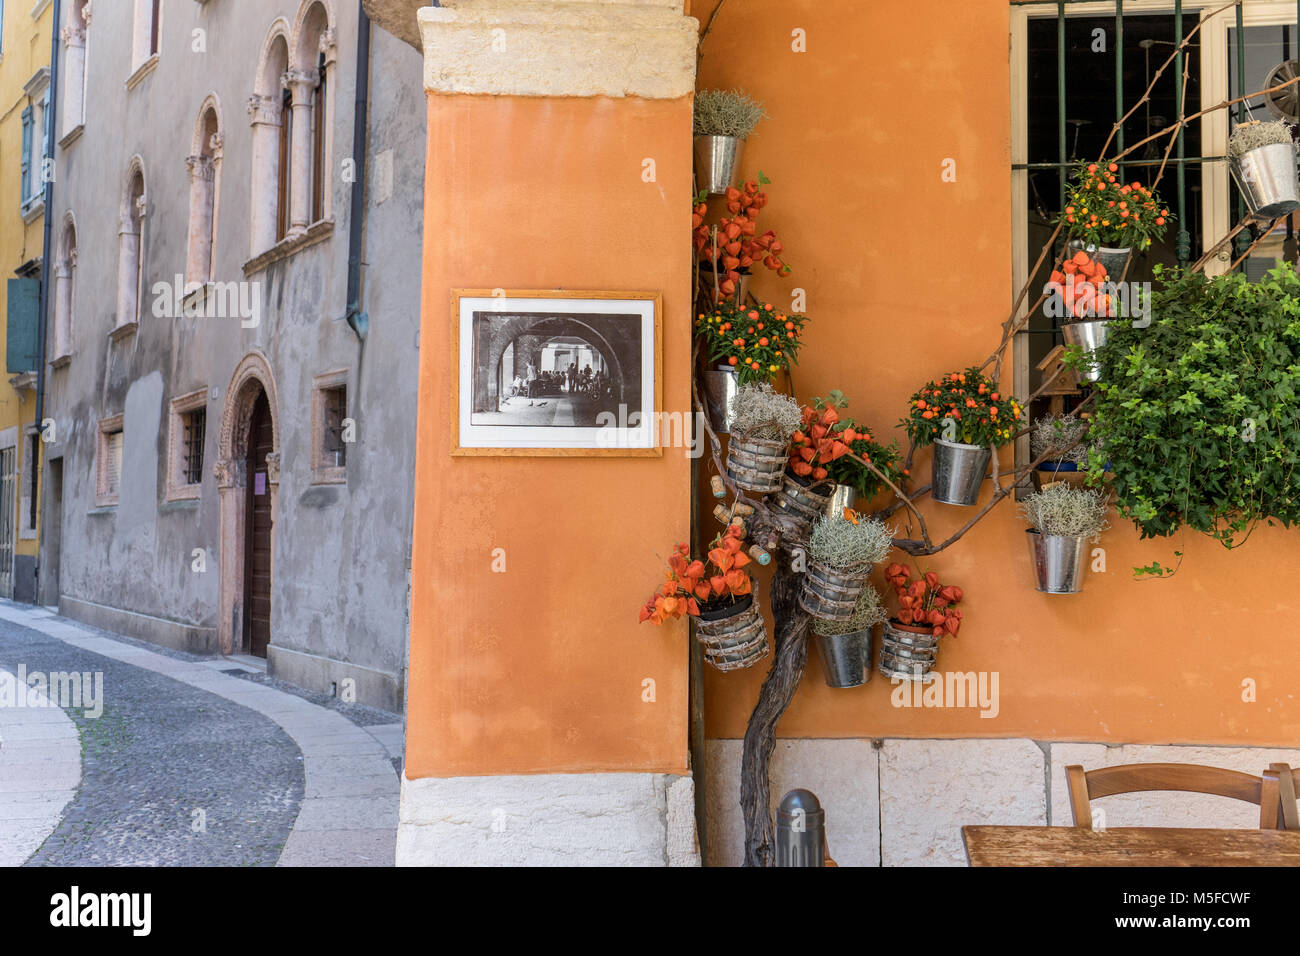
{"x":1274,"y":792}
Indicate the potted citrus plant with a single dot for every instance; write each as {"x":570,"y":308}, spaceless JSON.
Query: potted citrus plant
{"x":1107,"y":219}
{"x":964,"y":416}
{"x":724,"y":119}
{"x":927,"y":611}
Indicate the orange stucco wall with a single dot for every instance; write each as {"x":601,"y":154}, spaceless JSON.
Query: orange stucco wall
{"x":541,"y":668}
{"x":908,"y":277}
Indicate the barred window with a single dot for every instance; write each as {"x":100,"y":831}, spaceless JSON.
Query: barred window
{"x":195,"y":427}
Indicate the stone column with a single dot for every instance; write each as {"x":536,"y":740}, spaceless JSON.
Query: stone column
{"x":198,"y":266}
{"x":63,"y":307}
{"x":128,"y":264}
{"x":74,"y":88}
{"x":302,"y":84}
{"x":548,"y":750}
{"x":264,"y":116}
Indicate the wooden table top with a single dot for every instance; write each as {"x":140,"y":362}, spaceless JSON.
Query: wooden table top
{"x":1129,"y":846}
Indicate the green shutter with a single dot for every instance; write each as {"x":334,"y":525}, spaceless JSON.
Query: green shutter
{"x":22,"y":325}
{"x":26,"y":164}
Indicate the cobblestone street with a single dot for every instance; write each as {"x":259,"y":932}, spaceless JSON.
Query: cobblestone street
{"x":192,"y":762}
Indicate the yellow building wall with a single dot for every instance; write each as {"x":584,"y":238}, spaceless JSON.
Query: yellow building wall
{"x":24,"y":49}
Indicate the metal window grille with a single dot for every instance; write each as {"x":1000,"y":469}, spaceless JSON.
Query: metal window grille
{"x":196,"y":423}
{"x":336,"y":410}
{"x":113,"y":462}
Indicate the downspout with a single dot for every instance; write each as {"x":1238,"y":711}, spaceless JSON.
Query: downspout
{"x":46,"y":257}
{"x":357,"y":319}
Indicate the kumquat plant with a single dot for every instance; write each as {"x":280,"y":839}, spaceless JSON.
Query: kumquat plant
{"x":980,"y":414}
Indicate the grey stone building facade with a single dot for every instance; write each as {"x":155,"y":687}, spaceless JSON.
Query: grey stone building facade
{"x":230,"y":450}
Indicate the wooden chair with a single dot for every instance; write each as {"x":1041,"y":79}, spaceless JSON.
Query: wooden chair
{"x":1274,"y":792}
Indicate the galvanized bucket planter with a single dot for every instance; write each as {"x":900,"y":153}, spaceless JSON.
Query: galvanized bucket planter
{"x":831,"y":594}
{"x":957,"y":471}
{"x":802,"y":501}
{"x":846,"y":658}
{"x":1266,"y":177}
{"x":757,"y":464}
{"x":1089,"y":336}
{"x":736,"y":640}
{"x":720,"y":387}
{"x":1114,"y":260}
{"x":1058,"y":561}
{"x":907,"y":652}
{"x":844,"y":496}
{"x":716,"y":160}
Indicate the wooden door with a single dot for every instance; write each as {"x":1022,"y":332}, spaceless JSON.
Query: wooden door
{"x":8,"y":463}
{"x":257,"y":533}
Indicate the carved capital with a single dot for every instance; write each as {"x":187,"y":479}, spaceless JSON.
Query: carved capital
{"x":263,"y":110}
{"x":85,"y":12}
{"x":273,"y":467}
{"x":216,"y":142}
{"x":73,"y":36}
{"x":227,"y":471}
{"x":201,"y":167}
{"x":301,"y":82}
{"x":329,"y":46}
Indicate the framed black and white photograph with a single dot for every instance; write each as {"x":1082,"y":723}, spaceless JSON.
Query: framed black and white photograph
{"x":555,"y":373}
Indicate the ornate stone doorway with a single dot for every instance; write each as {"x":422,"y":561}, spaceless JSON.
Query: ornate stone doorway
{"x":249,"y":426}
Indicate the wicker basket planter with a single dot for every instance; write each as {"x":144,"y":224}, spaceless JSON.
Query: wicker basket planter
{"x":757,"y":464}
{"x":802,"y":501}
{"x":908,"y":652}
{"x":736,"y":638}
{"x":831,"y":594}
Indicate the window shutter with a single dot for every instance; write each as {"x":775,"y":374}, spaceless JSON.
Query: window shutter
{"x":46,"y":119}
{"x":27,"y":154}
{"x":23,"y":321}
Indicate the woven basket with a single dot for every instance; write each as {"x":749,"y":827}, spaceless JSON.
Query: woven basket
{"x":757,"y":464}
{"x":735,"y":642}
{"x":800,"y":500}
{"x":831,"y":594}
{"x":907,"y":654}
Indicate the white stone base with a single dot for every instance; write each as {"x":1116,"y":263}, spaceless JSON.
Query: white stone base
{"x":902,"y":802}
{"x":591,"y":819}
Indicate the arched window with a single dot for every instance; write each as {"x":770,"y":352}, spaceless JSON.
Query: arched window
{"x":145,"y":36}
{"x":271,"y":145}
{"x":204,"y":164}
{"x":310,"y":81}
{"x":74,"y":60}
{"x":65,"y":288}
{"x":130,"y":263}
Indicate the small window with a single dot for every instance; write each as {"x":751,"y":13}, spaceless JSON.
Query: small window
{"x":108,"y":475}
{"x":336,"y":410}
{"x":332,"y":429}
{"x":187,"y":436}
{"x":195,"y":428}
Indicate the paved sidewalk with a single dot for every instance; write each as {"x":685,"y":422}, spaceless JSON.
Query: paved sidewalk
{"x":189,"y":765}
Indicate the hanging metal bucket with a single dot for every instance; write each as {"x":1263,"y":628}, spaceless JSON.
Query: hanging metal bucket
{"x":831,"y":594}
{"x":1114,"y":260}
{"x":756,"y":464}
{"x":716,"y":160}
{"x":720,"y":387}
{"x":1089,"y":336}
{"x":1058,"y":561}
{"x":1267,"y":179}
{"x":736,"y":641}
{"x":802,"y":501}
{"x":957,"y":471}
{"x":844,"y":496}
{"x":846,"y":658}
{"x":712,"y":284}
{"x":907,"y":653}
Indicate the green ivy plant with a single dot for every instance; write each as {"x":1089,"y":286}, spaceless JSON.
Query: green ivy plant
{"x":1197,"y":414}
